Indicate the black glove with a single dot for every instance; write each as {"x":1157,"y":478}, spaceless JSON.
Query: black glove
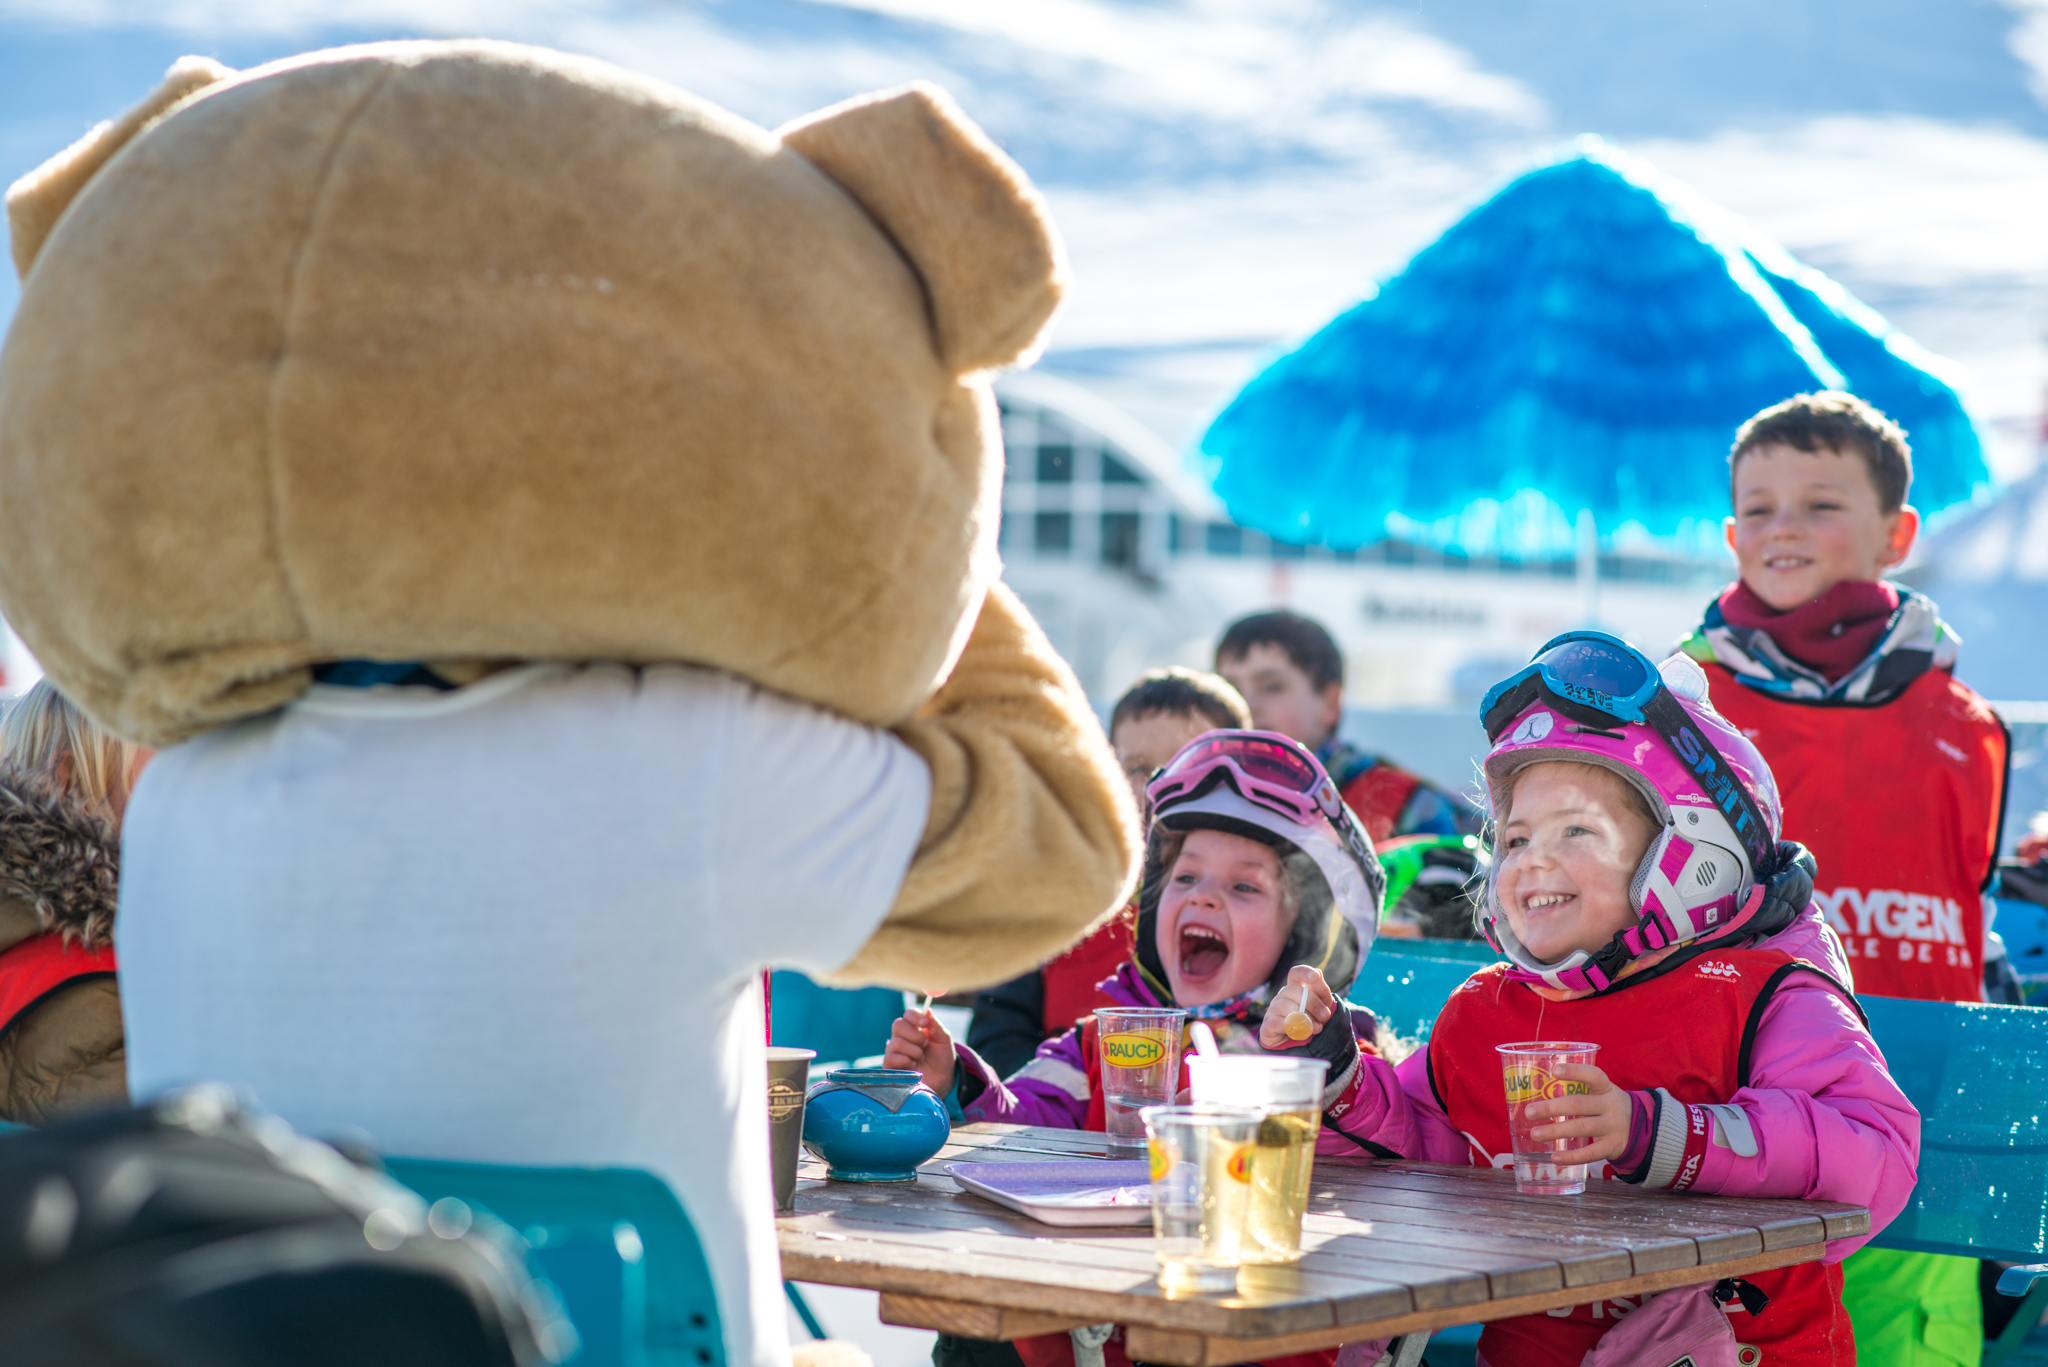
{"x":1788,"y":889}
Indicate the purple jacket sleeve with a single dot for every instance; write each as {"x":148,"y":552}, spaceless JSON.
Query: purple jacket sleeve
{"x":1825,"y":1119}
{"x":1390,"y":1111}
{"x":1051,"y":1090}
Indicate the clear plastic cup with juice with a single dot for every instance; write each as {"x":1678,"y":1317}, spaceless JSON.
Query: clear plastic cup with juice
{"x":1288,"y":1093}
{"x":1529,"y":1071}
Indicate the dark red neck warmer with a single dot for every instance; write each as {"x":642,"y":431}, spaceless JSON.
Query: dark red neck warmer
{"x":1831,"y":634}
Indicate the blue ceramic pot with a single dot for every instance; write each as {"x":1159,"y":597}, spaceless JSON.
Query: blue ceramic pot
{"x":874,"y":1124}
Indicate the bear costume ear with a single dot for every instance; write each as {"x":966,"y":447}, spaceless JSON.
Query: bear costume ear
{"x":964,"y":214}
{"x":38,"y":199}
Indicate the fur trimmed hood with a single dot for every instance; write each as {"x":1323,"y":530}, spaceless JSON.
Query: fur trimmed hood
{"x":61,"y":859}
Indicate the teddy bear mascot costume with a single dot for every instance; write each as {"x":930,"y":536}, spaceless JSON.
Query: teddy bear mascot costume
{"x":551,"y":525}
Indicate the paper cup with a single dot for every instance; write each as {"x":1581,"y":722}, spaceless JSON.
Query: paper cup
{"x":789,"y":1072}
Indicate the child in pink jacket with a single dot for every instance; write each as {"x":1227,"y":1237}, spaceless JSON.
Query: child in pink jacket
{"x":1644,"y":905}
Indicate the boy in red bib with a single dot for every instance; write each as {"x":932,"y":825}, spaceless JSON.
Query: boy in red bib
{"x":1894,"y":773}
{"x":1839,"y":676}
{"x":1645,"y":904}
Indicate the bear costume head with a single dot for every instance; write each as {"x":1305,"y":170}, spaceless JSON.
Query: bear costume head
{"x":469,"y":352}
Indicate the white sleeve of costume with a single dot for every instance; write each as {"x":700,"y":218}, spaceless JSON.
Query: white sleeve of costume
{"x":817,"y":821}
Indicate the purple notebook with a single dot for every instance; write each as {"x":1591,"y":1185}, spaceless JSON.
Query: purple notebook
{"x":1087,"y":1191}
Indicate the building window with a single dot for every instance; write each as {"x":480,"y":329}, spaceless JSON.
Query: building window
{"x":1115,"y":471}
{"x":1055,"y":462}
{"x":1120,"y":540}
{"x":1283,"y":550}
{"x":1053,"y":533}
{"x":1223,"y":538}
{"x":1174,"y":545}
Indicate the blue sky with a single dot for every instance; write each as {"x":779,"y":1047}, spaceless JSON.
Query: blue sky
{"x":1245,"y":168}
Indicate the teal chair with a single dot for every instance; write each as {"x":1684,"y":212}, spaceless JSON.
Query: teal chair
{"x":615,"y":1244}
{"x":840,"y":1023}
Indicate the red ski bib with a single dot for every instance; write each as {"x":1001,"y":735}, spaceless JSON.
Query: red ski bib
{"x":1690,"y":1032}
{"x":1900,"y":804}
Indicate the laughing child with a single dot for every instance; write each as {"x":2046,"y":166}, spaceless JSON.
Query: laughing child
{"x":1645,"y":905}
{"x":1155,"y":718}
{"x":1254,"y":866}
{"x":1840,"y":677}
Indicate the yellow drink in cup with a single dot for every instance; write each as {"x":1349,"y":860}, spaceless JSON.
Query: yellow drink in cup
{"x":1138,"y":1052}
{"x":1288,"y":1094}
{"x":1201,"y":1190}
{"x":1529,"y":1074}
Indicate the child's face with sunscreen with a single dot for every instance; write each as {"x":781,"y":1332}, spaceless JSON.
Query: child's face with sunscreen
{"x":1222,"y":918}
{"x":1807,"y":520}
{"x":1565,"y":857}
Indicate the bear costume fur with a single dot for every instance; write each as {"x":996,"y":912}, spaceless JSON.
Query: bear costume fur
{"x":484,"y":357}
{"x":287,"y":384}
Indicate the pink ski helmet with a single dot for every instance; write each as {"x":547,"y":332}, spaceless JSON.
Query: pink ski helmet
{"x":1595,"y":699}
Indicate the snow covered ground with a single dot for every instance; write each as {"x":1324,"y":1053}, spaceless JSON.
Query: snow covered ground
{"x":1232,"y":170}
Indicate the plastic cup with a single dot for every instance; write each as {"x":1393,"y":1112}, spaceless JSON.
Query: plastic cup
{"x":1201,"y":1191}
{"x":1529,"y":1071}
{"x":1288,"y":1093}
{"x":789,"y":1072}
{"x":1139,"y":1049}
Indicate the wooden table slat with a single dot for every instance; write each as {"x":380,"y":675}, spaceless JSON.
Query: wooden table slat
{"x":1514,"y":1266}
{"x":969,"y":1320}
{"x":1188,"y":1349}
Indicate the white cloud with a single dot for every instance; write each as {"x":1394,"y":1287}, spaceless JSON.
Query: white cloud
{"x":2029,"y":41}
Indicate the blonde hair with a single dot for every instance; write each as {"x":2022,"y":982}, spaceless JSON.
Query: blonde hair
{"x":45,"y":734}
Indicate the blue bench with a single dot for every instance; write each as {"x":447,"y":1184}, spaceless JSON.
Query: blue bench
{"x":1979,"y":1076}
{"x":2023,"y":925}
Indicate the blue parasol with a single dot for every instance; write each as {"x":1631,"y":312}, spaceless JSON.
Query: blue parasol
{"x":1586,"y":341}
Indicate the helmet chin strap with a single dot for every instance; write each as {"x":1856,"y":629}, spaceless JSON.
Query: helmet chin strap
{"x":1778,"y":891}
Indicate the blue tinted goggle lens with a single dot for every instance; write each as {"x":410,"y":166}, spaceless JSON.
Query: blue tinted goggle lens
{"x":1595,"y":665}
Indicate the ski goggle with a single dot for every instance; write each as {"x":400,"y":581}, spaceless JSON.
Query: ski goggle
{"x":1591,"y":677}
{"x":1260,"y":766}
{"x":1265,"y":769}
{"x":1602,"y":682}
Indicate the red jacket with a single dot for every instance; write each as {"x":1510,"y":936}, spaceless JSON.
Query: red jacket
{"x":1901,"y":805}
{"x":1070,"y":979}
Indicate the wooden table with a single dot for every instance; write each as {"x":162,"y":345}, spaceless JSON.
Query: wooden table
{"x":1390,"y":1248}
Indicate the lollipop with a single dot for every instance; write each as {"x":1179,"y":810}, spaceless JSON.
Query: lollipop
{"x":1298,"y":1026}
